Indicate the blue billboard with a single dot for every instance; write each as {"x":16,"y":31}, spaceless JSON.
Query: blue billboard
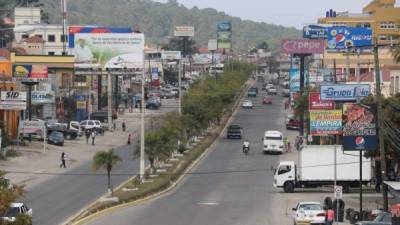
{"x":347,"y":37}
{"x":294,"y":79}
{"x":315,"y":32}
{"x":344,"y":92}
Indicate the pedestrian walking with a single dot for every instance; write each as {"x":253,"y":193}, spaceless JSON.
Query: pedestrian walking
{"x":288,"y":147}
{"x":114,"y":125}
{"x":93,"y":135}
{"x":87,"y":134}
{"x":129,"y":139}
{"x":63,"y":158}
{"x":330,"y":215}
{"x":123,"y":126}
{"x":286,"y":104}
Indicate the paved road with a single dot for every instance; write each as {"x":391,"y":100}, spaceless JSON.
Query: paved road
{"x":61,"y":197}
{"x":222,"y":192}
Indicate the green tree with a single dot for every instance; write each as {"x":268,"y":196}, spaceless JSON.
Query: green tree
{"x":106,"y":160}
{"x":8,"y":193}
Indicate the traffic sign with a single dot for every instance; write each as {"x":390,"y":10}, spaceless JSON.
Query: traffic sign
{"x":338,"y":192}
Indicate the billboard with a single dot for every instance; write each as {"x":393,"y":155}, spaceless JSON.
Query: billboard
{"x":294,"y":79}
{"x":325,"y":122}
{"x":212,"y":45}
{"x":13,"y":100}
{"x":171,"y":55}
{"x":315,"y":31}
{"x":344,"y":92}
{"x":30,"y":73}
{"x":184,"y":31}
{"x":315,"y":102}
{"x":43,"y":97}
{"x":93,"y":29}
{"x":359,"y":127}
{"x":344,"y":37}
{"x":224,"y":35}
{"x":302,"y":46}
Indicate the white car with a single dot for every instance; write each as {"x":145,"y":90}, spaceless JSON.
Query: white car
{"x":272,"y":91}
{"x":309,"y":212}
{"x":90,"y":124}
{"x":273,"y":142}
{"x":14,"y":210}
{"x":247,"y":104}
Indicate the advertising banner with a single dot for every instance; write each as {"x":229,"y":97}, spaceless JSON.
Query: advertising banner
{"x":324,"y":122}
{"x":315,"y":31}
{"x":171,"y":55}
{"x":302,"y":46}
{"x":13,"y":100}
{"x":39,"y":71}
{"x":43,"y":97}
{"x":111,"y":50}
{"x":294,"y":79}
{"x":224,"y":35}
{"x":345,"y":37}
{"x":154,"y":73}
{"x":315,"y":102}
{"x":184,"y":31}
{"x":31,"y":127}
{"x":212,"y":45}
{"x":345,"y":92}
{"x":30,"y":73}
{"x":5,"y":70}
{"x":359,"y":127}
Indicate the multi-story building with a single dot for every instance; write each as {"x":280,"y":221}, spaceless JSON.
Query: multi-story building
{"x":28,"y":25}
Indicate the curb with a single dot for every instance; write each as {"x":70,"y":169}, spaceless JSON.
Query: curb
{"x":172,"y":186}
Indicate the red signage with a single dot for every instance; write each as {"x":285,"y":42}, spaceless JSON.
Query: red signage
{"x":315,"y":102}
{"x":302,"y":46}
{"x":39,"y":71}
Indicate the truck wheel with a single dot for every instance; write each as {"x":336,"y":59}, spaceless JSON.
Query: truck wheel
{"x":288,"y":187}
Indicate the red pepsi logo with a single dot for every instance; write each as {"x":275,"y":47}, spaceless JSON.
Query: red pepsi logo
{"x":360,"y":141}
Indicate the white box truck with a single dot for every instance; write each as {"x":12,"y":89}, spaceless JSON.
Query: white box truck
{"x":316,"y":168}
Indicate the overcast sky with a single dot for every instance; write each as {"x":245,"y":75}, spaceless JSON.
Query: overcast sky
{"x":292,"y":13}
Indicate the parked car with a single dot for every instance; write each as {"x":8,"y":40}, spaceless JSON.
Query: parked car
{"x":14,"y":210}
{"x":152,"y":103}
{"x":234,"y":131}
{"x":92,"y":125}
{"x":247,"y":104}
{"x":68,"y":134}
{"x":267,"y":100}
{"x":382,"y":219}
{"x":56,"y":138}
{"x":272,"y":91}
{"x":309,"y":211}
{"x":167,"y":94}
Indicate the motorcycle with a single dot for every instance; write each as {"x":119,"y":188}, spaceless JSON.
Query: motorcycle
{"x":246,"y":150}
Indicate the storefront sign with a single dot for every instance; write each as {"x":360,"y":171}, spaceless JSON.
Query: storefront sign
{"x":28,"y":73}
{"x":324,"y":122}
{"x":13,"y":100}
{"x":359,"y":127}
{"x":81,"y":104}
{"x":315,"y":102}
{"x":344,"y":92}
{"x":43,"y":97}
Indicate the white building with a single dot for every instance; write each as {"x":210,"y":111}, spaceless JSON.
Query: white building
{"x":28,"y":24}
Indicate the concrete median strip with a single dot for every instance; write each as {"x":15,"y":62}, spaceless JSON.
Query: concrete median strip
{"x":174,"y":184}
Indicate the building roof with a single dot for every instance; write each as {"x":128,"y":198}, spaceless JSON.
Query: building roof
{"x":34,"y":40}
{"x":204,"y":50}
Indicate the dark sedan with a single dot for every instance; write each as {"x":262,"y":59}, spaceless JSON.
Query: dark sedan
{"x":56,"y":138}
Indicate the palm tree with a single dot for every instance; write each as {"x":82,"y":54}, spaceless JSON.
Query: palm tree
{"x":105,"y":160}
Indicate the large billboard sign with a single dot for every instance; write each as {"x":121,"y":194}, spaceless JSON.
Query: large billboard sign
{"x":302,"y":46}
{"x":110,"y":50}
{"x":93,"y":30}
{"x":315,"y":102}
{"x":315,"y":31}
{"x":345,"y":92}
{"x":294,"y":79}
{"x":359,"y":127}
{"x":346,"y":37}
{"x":30,"y":73}
{"x":13,"y":100}
{"x":325,"y":122}
{"x":224,"y":35}
{"x":184,"y":31}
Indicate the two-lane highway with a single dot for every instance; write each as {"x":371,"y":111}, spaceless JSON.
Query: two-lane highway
{"x":226,"y":188}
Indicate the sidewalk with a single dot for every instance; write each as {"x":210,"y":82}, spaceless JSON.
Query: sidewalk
{"x":34,"y":166}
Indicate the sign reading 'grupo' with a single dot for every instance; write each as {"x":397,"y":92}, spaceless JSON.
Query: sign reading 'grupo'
{"x":302,"y":46}
{"x":344,"y":92}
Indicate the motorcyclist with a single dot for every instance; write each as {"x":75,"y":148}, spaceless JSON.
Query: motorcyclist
{"x":246,"y":144}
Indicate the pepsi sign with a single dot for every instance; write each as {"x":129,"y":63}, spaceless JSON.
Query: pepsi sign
{"x":359,"y":127}
{"x":349,"y":37}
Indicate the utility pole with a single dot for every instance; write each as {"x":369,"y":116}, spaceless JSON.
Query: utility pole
{"x":64,"y":23}
{"x":142,"y":115}
{"x":380,"y":125}
{"x":109,"y":98}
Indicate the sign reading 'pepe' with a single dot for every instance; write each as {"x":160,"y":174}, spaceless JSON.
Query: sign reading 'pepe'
{"x":344,"y":92}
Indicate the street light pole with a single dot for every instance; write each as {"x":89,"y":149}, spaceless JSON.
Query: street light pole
{"x":142,"y":120}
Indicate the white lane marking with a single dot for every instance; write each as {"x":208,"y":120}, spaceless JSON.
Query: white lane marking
{"x":207,"y":203}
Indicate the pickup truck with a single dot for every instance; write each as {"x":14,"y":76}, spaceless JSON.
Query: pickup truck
{"x":234,"y":131}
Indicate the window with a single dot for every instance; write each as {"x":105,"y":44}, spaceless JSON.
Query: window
{"x":51,"y":53}
{"x":51,"y":38}
{"x":383,"y":37}
{"x":367,"y":25}
{"x":387,"y":25}
{"x":39,"y":35}
{"x":284,"y":169}
{"x":64,"y":38}
{"x":25,"y":36}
